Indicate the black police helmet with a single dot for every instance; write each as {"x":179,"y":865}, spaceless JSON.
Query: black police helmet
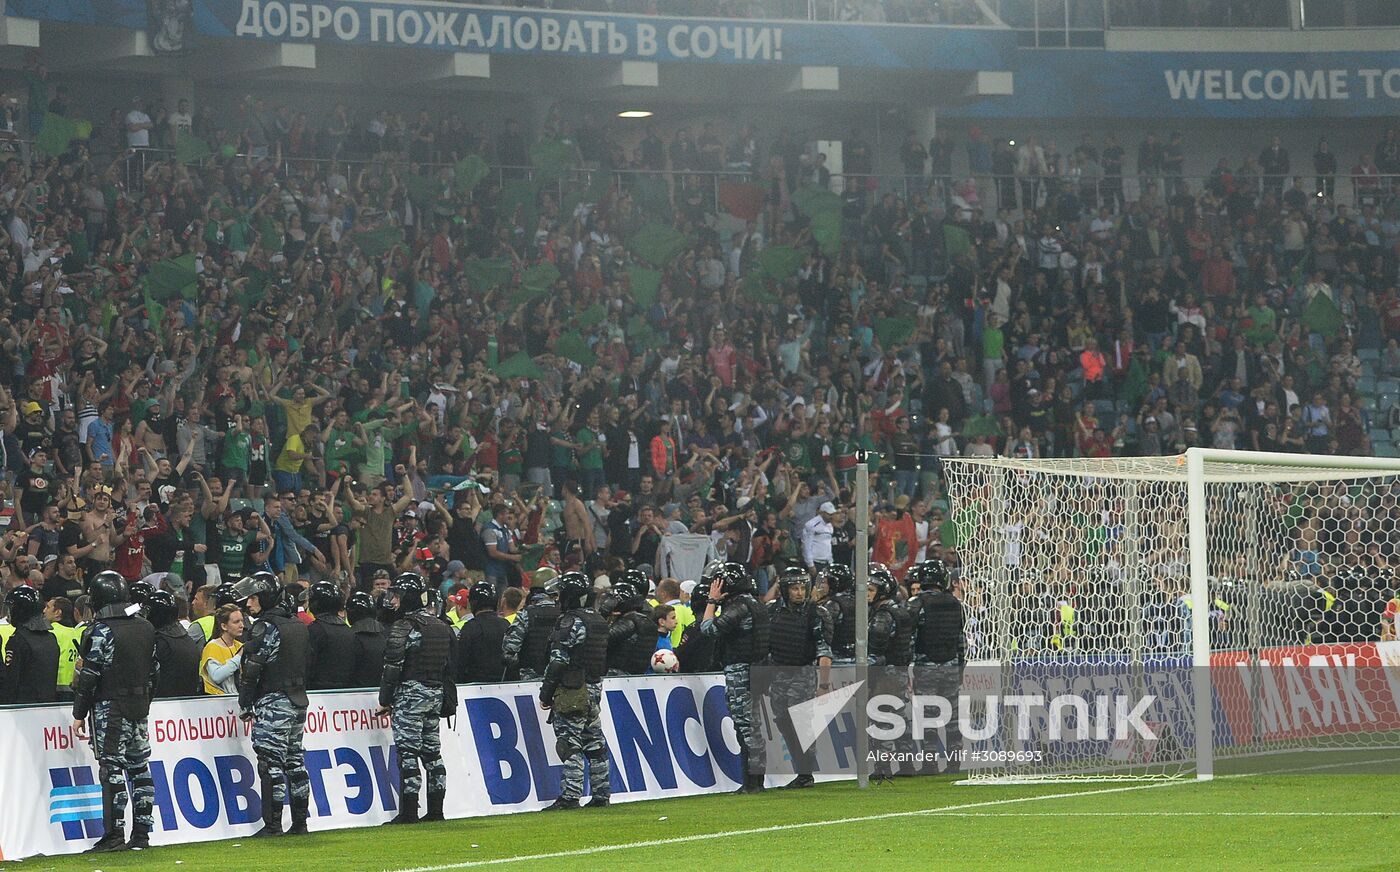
{"x":24,"y":603}
{"x":139,"y":591}
{"x":411,"y":589}
{"x":224,"y":594}
{"x":160,"y":609}
{"x":574,"y":588}
{"x":792,"y":575}
{"x":735,"y":579}
{"x":840,"y":579}
{"x":932,"y":574}
{"x":260,"y":586}
{"x":483,"y":596}
{"x":359,"y":606}
{"x":107,"y":588}
{"x":324,"y":598}
{"x":883,"y":581}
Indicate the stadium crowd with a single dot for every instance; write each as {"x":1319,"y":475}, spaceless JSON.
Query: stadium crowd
{"x":340,"y":348}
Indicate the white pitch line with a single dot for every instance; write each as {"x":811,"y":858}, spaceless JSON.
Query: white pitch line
{"x":946,"y":810}
{"x":776,"y":828}
{"x":1070,"y":814}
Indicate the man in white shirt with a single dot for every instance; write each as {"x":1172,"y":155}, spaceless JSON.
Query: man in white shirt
{"x":816,"y":537}
{"x":138,"y":126}
{"x":181,"y":120}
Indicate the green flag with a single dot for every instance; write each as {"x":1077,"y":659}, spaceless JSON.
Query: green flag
{"x":641,"y":334}
{"x":653,"y":197}
{"x":1322,"y":316}
{"x":956,"y":241}
{"x":553,"y":158}
{"x":656,"y":244}
{"x":575,"y":348}
{"x":172,"y":278}
{"x":981,"y":425}
{"x":755,"y":287}
{"x":422,"y":190}
{"x":893,"y":332}
{"x":540,"y":277}
{"x":468,"y":172}
{"x":519,"y":365}
{"x":646,"y":283}
{"x":155,"y":312}
{"x":57,"y":132}
{"x":190,"y":149}
{"x":377,"y":242}
{"x":780,"y":261}
{"x":594,"y":314}
{"x":826,"y":229}
{"x":812,"y":201}
{"x":530,"y":557}
{"x":520,"y":194}
{"x":489,"y":273}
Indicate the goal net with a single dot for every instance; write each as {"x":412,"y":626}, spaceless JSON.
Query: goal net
{"x":1238,"y":603}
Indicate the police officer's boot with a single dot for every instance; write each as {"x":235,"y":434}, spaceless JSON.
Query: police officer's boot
{"x":300,"y":812}
{"x":140,"y":838}
{"x":408,"y":809}
{"x":435,"y":798}
{"x":271,"y":808}
{"x":800,"y":782}
{"x":113,"y":839}
{"x":744,"y":771}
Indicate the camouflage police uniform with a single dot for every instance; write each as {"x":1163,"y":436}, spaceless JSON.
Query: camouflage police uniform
{"x":114,"y":687}
{"x":797,"y":640}
{"x":272,"y":683}
{"x":417,"y":672}
{"x":891,"y":650}
{"x":940,"y":655}
{"x":527,"y":640}
{"x":741,"y":631}
{"x":578,"y":653}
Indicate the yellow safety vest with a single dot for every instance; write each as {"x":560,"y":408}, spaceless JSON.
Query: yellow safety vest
{"x":206,"y":624}
{"x":6,"y":631}
{"x":1059,"y":640}
{"x":685,"y":616}
{"x":457,"y":621}
{"x":68,"y":640}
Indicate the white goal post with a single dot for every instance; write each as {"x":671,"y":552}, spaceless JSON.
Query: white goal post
{"x":1234,"y":566}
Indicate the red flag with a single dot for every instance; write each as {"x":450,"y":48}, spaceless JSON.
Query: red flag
{"x":742,"y":201}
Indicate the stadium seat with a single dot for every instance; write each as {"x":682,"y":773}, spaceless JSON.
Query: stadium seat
{"x":1368,"y":354}
{"x":1380,"y":434}
{"x":1388,"y":386}
{"x":1366,"y":385}
{"x":1385,"y":401}
{"x":1385,"y":449}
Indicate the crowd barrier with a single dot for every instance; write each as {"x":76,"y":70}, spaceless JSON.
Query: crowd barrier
{"x":667,"y":736}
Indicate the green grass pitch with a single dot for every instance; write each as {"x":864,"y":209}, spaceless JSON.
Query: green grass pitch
{"x":1320,"y":820}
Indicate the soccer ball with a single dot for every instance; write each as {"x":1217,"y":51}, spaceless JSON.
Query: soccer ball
{"x":665,"y":660}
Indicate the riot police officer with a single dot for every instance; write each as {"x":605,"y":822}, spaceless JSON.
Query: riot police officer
{"x":30,"y":673}
{"x":416,"y":682}
{"x":114,"y":687}
{"x":632,"y":633}
{"x":201,"y":630}
{"x":272,"y":694}
{"x":526,"y":645}
{"x":741,"y":634}
{"x":479,"y":647}
{"x":839,"y":613}
{"x":368,"y":635}
{"x":891,"y":641}
{"x":796,"y":642}
{"x":330,"y":652}
{"x":696,"y":651}
{"x":573,"y":688}
{"x":940,"y":648}
{"x":176,"y":653}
